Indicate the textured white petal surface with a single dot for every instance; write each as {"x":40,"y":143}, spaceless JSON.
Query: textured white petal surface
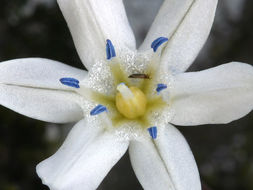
{"x":47,"y":105}
{"x":91,"y":22}
{"x":37,"y":72}
{"x":84,"y":159}
{"x":187,"y":24}
{"x":217,"y":95}
{"x":166,"y":163}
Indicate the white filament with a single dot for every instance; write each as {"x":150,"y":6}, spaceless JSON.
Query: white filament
{"x":125,"y":91}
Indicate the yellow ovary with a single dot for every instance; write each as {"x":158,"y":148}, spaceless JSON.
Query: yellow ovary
{"x":133,"y":106}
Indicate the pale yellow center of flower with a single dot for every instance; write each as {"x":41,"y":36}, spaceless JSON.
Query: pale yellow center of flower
{"x":130,"y":102}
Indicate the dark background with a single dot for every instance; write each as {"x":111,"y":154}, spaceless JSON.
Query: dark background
{"x":36,"y":28}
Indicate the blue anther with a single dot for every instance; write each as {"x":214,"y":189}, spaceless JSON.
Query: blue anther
{"x":158,"y":42}
{"x":70,"y":82}
{"x":98,"y":109}
{"x":160,"y":87}
{"x":110,"y":51}
{"x":153,"y":132}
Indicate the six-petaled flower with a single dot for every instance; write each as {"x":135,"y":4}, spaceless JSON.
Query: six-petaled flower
{"x":128,"y":97}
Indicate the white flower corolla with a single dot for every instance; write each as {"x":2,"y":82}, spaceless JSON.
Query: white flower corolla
{"x":128,"y":97}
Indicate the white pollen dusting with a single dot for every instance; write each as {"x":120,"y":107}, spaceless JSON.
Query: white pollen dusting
{"x":87,"y":106}
{"x":160,"y":117}
{"x":101,"y":79}
{"x":129,"y":132}
{"x":133,"y":62}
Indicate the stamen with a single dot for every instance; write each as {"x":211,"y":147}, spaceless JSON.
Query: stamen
{"x":98,"y":109}
{"x":153,"y":132}
{"x":125,"y":91}
{"x":160,"y":87}
{"x":158,"y":42}
{"x":70,"y":82}
{"x":110,"y":51}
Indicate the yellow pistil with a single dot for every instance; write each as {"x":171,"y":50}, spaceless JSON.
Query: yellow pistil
{"x":130,"y":102}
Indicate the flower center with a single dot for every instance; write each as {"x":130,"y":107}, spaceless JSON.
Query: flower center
{"x":138,"y":100}
{"x":130,"y":102}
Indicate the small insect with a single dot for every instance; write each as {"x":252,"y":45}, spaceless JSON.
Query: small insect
{"x":139,"y":76}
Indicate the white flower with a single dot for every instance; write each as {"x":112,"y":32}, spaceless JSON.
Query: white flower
{"x":161,"y":158}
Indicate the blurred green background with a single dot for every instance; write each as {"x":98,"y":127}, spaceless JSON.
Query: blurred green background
{"x":36,"y":28}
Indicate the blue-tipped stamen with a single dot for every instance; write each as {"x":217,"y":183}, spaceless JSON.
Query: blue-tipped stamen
{"x":153,"y":132}
{"x":160,"y":87}
{"x":98,"y":109}
{"x":70,"y":82}
{"x":158,"y":42}
{"x":110,"y":51}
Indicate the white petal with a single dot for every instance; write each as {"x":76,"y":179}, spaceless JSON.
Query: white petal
{"x":166,"y":163}
{"x":48,"y":105}
{"x":187,"y":24}
{"x":84,"y":159}
{"x":217,"y":95}
{"x":37,"y":72}
{"x":91,"y":22}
